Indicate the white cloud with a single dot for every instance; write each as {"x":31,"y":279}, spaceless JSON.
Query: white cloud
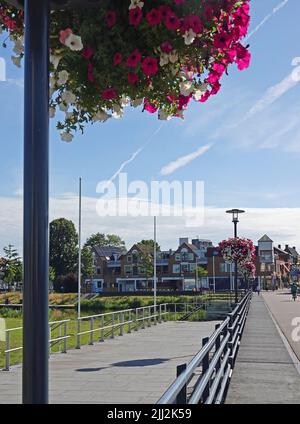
{"x":183,"y":160}
{"x":279,"y":223}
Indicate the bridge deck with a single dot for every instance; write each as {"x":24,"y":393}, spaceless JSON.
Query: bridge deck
{"x":135,"y":368}
{"x":264,"y":371}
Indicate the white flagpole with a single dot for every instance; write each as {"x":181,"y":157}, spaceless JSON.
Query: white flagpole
{"x":154,"y":263}
{"x":79,"y":250}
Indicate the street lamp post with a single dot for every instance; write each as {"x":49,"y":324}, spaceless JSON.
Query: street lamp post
{"x":36,"y":193}
{"x":235,"y":219}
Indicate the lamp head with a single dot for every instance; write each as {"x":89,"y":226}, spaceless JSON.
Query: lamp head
{"x":235,"y":214}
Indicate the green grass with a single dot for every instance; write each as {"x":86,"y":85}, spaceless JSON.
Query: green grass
{"x":99,"y":305}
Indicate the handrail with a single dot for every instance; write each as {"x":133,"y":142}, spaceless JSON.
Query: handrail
{"x":213,"y":380}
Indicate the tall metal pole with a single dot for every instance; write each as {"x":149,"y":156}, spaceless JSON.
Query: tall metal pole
{"x":79,"y":253}
{"x":36,"y":198}
{"x":196,"y":281}
{"x":235,"y":267}
{"x":214,"y":274}
{"x":154,"y":263}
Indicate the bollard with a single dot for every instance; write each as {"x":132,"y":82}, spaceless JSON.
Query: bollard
{"x":181,"y":398}
{"x":205,"y":366}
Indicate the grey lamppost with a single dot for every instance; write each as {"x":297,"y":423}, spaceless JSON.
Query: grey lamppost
{"x":235,"y":219}
{"x":36,"y":193}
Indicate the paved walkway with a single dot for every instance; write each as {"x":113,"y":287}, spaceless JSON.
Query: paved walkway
{"x":284,"y":309}
{"x":136,"y":368}
{"x":264,"y":371}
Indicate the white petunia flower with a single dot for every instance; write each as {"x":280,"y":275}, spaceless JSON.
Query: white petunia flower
{"x":189,"y":37}
{"x":101,"y":116}
{"x":136,"y":3}
{"x":186,"y":88}
{"x":117,"y":111}
{"x":68,"y":97}
{"x":63,"y":107}
{"x":66,"y":136}
{"x":137,"y":102}
{"x":74,"y":42}
{"x":19,"y":47}
{"x":164,"y":59}
{"x":51,"y":112}
{"x":125,"y":101}
{"x":173,"y":57}
{"x":200,"y":91}
{"x":163,"y":116}
{"x":16,"y":61}
{"x":63,"y":77}
{"x":54,"y":60}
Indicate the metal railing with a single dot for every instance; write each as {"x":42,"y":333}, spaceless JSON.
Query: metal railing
{"x":111,"y":324}
{"x":59,"y":326}
{"x":214,"y":362}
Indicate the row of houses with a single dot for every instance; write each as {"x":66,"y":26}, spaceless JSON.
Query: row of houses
{"x":118,"y":270}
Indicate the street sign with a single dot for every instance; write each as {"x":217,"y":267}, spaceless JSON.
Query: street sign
{"x":2,"y":330}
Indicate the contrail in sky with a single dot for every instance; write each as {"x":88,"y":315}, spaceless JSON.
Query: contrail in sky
{"x":275,"y":10}
{"x":135,"y":154}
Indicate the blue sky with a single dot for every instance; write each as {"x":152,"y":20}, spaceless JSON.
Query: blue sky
{"x":252,"y":163}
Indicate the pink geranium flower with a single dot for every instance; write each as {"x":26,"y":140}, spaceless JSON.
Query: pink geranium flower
{"x":64,"y":34}
{"x":135,"y":16}
{"x":109,"y":94}
{"x":150,"y":66}
{"x":154,"y":17}
{"x":134,"y":59}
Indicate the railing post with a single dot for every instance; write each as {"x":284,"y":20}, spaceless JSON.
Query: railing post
{"x":91,"y":332}
{"x":205,"y":366}
{"x":78,"y":334}
{"x":149,"y":316}
{"x":231,"y":319}
{"x":155,"y":318}
{"x":175,"y":310}
{"x":159,"y":318}
{"x":218,"y":344}
{"x":143,"y":321}
{"x":7,"y":353}
{"x":121,"y":318}
{"x":113,"y":326}
{"x":165,"y":315}
{"x":182,"y":395}
{"x":136,"y":317}
{"x":129,"y":321}
{"x":65,"y":338}
{"x":102,"y":329}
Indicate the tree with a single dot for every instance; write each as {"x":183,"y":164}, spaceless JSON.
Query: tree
{"x":100,"y":239}
{"x":87,"y":267}
{"x":11,"y":266}
{"x":150,"y":245}
{"x":201,"y":273}
{"x":63,"y":247}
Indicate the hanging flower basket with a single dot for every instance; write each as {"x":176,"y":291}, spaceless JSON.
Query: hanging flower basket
{"x":160,"y":54}
{"x":248,"y":268}
{"x":237,"y":249}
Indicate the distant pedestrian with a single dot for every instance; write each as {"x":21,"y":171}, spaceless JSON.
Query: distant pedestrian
{"x":294,"y":289}
{"x":258,"y":290}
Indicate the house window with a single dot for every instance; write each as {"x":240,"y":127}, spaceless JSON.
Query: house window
{"x":128,"y":269}
{"x":191,"y":256}
{"x":176,"y":269}
{"x":98,"y":271}
{"x":129,"y":258}
{"x":177,"y":257}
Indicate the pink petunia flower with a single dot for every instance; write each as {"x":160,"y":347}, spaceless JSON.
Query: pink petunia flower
{"x":111,"y":18}
{"x":150,"y":66}
{"x":64,"y":34}
{"x":134,"y":59}
{"x":154,"y":17}
{"x":118,"y":59}
{"x":109,"y":94}
{"x":135,"y":16}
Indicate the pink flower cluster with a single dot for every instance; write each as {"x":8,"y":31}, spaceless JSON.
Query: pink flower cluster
{"x":224,"y":46}
{"x":241,"y":250}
